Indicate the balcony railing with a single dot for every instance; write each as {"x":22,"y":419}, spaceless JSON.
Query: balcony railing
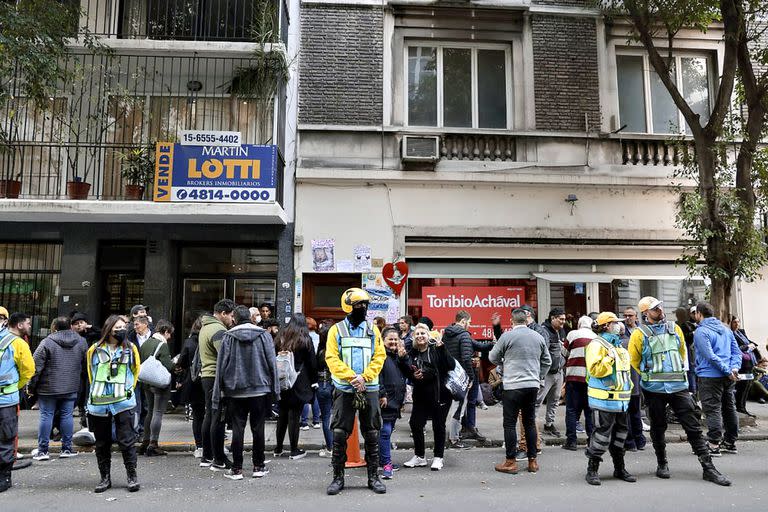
{"x":114,"y":104}
{"x":499,"y":148}
{"x":655,"y":152}
{"x":186,"y":20}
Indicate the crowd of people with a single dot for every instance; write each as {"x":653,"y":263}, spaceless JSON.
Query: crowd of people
{"x":239,"y":367}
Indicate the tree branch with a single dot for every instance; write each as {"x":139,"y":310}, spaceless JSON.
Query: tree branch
{"x":734,"y":30}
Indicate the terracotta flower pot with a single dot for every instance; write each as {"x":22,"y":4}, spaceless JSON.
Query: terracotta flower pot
{"x":78,"y":189}
{"x":10,"y":189}
{"x":134,"y":192}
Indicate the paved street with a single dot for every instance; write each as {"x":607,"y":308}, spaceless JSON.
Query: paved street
{"x":468,"y":483}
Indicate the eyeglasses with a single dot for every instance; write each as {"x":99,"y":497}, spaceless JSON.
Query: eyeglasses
{"x":630,"y":315}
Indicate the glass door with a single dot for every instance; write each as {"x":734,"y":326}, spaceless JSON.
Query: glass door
{"x":252,"y":292}
{"x":199,"y":297}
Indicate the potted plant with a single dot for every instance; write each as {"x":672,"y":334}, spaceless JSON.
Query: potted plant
{"x":10,"y":188}
{"x":138,"y":169}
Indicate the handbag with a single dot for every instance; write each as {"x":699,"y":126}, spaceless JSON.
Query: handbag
{"x":457,"y":381}
{"x":153,"y":373}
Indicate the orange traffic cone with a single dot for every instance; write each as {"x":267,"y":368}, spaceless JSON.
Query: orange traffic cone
{"x":354,"y":460}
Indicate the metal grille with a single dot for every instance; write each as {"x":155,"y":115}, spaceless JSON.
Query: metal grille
{"x":29,"y":283}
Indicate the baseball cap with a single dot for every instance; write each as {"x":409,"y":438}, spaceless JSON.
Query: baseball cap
{"x":79,"y":316}
{"x":138,"y":307}
{"x":692,"y":310}
{"x":528,"y":308}
{"x":647,"y":303}
{"x":607,"y":317}
{"x":4,"y":312}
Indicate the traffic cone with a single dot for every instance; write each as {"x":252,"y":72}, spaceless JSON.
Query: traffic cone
{"x":354,"y":460}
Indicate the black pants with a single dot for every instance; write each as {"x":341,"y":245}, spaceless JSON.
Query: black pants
{"x":141,"y":410}
{"x":635,"y":436}
{"x":610,"y":433}
{"x":519,"y":402}
{"x":213,"y":428}
{"x":101,"y":426}
{"x":240,"y":409}
{"x":289,"y":418}
{"x":742,"y":392}
{"x":9,"y":429}
{"x":718,"y":404}
{"x":682,"y":405}
{"x":576,"y":402}
{"x":198,"y":415}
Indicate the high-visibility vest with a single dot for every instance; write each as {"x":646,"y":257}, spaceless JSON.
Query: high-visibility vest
{"x":110,"y":381}
{"x":356,"y":352}
{"x":612,"y":392}
{"x":663,"y":362}
{"x":9,"y":373}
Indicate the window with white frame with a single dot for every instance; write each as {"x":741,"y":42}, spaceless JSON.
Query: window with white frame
{"x":645,"y":105}
{"x":463,"y":86}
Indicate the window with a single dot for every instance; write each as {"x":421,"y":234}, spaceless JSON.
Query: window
{"x":645,"y":105}
{"x":459,"y":86}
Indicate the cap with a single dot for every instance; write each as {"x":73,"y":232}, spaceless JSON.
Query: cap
{"x":607,"y":317}
{"x":647,"y":303}
{"x":138,"y":307}
{"x":692,"y":310}
{"x":79,"y":316}
{"x":4,"y":312}
{"x":528,"y":308}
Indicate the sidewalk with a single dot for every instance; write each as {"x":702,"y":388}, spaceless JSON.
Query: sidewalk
{"x":176,"y":434}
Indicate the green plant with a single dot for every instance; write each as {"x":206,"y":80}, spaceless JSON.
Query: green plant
{"x":138,"y":166}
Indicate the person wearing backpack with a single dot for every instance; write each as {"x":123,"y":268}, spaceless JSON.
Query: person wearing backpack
{"x":355,"y":356}
{"x":246,"y":378}
{"x":192,"y":389}
{"x":157,"y":398}
{"x":297,"y":373}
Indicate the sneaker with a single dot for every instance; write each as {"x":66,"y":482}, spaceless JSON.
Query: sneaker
{"x":234,"y":474}
{"x":521,"y":455}
{"x":305,"y":427}
{"x":483,"y":406}
{"x":317,"y":426}
{"x":646,"y":427}
{"x":416,"y":462}
{"x":198,"y":453}
{"x":714,"y":450}
{"x":324,"y":453}
{"x":298,"y":454}
{"x":220,"y":466}
{"x":41,"y":456}
{"x":34,"y":452}
{"x":437,"y":464}
{"x":388,"y":471}
{"x":205,"y":463}
{"x":67,"y":454}
{"x":551,"y":430}
{"x":580,"y":428}
{"x":571,"y":446}
{"x":260,"y":471}
{"x":19,"y":455}
{"x":729,"y":448}
{"x":457,"y":445}
{"x":277,"y":454}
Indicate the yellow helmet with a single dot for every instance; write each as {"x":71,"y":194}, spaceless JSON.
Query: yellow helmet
{"x":353,"y":296}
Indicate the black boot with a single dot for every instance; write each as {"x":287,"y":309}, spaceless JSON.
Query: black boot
{"x":593,"y":466}
{"x":711,"y":474}
{"x":372,"y":460}
{"x":662,"y":467}
{"x":106,"y":481}
{"x":338,"y":458}
{"x":620,"y":470}
{"x":133,"y":481}
{"x":5,"y":477}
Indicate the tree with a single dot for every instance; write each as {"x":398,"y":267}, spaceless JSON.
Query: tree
{"x":720,"y":217}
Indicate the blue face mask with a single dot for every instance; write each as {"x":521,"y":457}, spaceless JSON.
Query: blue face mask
{"x":614,"y":339}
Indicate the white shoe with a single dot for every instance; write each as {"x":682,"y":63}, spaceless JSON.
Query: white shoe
{"x":19,"y":455}
{"x":67,"y":454}
{"x":646,"y":427}
{"x":260,"y":472}
{"x":324,"y":453}
{"x":317,"y":425}
{"x":34,"y":452}
{"x":416,"y":462}
{"x":305,"y":427}
{"x":198,"y":453}
{"x":437,"y":464}
{"x":41,"y":456}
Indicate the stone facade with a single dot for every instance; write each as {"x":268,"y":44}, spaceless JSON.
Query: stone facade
{"x":341,"y":61}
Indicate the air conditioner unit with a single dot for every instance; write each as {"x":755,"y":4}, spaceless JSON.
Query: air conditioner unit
{"x":420,"y":152}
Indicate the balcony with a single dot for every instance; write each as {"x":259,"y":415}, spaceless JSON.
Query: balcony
{"x":114,"y":104}
{"x":186,"y":20}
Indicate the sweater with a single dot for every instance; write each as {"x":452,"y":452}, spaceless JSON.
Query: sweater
{"x":717,"y":352}
{"x":210,"y":336}
{"x":60,"y":364}
{"x":525,"y":356}
{"x":575,"y":345}
{"x":246,"y":365}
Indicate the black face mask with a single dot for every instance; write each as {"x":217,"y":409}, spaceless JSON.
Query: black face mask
{"x":357,"y":316}
{"x":119,"y":335}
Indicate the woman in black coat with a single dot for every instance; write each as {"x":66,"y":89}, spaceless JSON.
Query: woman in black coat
{"x":192,"y":390}
{"x":295,"y":339}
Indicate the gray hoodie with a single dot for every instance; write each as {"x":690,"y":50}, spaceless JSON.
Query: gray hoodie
{"x":246,"y":365}
{"x":525,"y":355}
{"x":59,"y":364}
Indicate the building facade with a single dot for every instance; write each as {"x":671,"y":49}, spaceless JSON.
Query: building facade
{"x":502,"y":144}
{"x":166,"y":66}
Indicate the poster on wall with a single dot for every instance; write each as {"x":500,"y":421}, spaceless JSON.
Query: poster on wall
{"x":323,"y":257}
{"x":441,"y":303}
{"x":362,"y":258}
{"x":383,"y":304}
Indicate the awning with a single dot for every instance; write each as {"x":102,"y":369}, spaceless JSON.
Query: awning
{"x":587,"y":277}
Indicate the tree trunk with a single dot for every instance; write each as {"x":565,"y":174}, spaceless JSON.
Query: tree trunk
{"x":720,"y":297}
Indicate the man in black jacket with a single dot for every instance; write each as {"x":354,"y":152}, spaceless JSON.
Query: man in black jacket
{"x":553,"y":382}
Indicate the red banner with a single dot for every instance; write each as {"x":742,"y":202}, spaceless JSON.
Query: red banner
{"x":441,"y":303}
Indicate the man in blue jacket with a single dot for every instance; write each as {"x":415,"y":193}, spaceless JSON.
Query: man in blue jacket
{"x":718,"y":360}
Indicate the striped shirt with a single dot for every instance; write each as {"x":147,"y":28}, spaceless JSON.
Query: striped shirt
{"x":575,"y":345}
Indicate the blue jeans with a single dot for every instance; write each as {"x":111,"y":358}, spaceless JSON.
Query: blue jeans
{"x":315,"y":412}
{"x":385,"y":443}
{"x":576,"y":402}
{"x":469,"y":420}
{"x":324,"y":396}
{"x":49,"y":406}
